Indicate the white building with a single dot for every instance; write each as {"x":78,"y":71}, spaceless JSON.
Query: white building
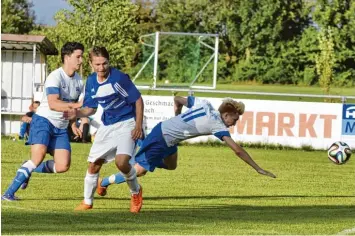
{"x":23,"y":70}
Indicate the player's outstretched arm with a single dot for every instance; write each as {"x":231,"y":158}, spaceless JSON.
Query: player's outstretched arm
{"x":241,"y":153}
{"x":179,"y":102}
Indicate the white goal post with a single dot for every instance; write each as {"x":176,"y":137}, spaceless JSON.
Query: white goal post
{"x":155,"y":54}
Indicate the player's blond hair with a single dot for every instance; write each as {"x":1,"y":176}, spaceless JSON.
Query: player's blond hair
{"x":230,"y":105}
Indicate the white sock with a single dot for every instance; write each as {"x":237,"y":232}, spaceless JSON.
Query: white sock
{"x":131,"y":179}
{"x":90,"y":185}
{"x":29,"y":165}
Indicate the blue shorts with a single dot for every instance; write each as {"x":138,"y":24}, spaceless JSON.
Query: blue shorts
{"x":42,"y":131}
{"x":153,"y":150}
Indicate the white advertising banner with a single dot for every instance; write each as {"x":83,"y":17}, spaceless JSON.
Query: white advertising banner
{"x":293,"y":124}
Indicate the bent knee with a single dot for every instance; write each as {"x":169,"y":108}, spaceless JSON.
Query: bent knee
{"x":141,"y":173}
{"x":61,"y":168}
{"x":172,"y":167}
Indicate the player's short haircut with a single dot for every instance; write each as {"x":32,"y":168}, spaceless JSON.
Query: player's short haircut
{"x":69,"y":47}
{"x":231,"y":106}
{"x":37,"y":102}
{"x":98,"y":51}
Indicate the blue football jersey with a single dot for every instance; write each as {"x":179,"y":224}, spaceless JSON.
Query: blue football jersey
{"x":117,"y":96}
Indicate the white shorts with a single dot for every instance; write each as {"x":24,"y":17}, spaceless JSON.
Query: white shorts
{"x":112,"y":140}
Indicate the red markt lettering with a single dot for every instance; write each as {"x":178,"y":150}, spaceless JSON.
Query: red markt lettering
{"x":269,"y":124}
{"x":307,"y":124}
{"x":285,"y":124}
{"x":328,"y":121}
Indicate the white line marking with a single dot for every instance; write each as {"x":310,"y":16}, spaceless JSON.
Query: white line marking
{"x":347,"y":231}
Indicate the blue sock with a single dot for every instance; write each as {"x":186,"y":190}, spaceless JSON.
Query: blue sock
{"x":113,"y":179}
{"x":22,"y":175}
{"x":46,"y":167}
{"x":23,"y":129}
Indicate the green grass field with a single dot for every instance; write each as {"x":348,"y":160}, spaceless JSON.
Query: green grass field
{"x":211,"y":192}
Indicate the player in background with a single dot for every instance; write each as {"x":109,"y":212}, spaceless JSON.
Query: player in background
{"x":159,"y":148}
{"x":122,"y":125}
{"x":26,"y":120}
{"x":48,"y":131}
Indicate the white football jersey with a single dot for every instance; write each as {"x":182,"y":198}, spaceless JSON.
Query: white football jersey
{"x":200,"y":119}
{"x":69,"y":90}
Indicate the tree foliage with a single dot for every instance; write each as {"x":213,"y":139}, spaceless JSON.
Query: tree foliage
{"x":325,"y":60}
{"x":17,"y":17}
{"x":97,"y":22}
{"x":268,"y":41}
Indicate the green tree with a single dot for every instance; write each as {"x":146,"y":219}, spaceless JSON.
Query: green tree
{"x":258,"y":39}
{"x":17,"y":17}
{"x":325,"y":61}
{"x":339,"y":16}
{"x":97,"y":22}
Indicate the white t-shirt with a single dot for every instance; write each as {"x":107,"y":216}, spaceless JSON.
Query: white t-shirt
{"x":200,"y":119}
{"x":69,"y":90}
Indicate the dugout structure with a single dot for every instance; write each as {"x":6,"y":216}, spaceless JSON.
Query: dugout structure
{"x":23,"y":70}
{"x":177,"y":60}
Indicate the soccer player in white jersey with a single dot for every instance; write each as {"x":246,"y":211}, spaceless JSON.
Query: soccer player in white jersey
{"x":48,"y":131}
{"x":159,"y":148}
{"x":122,"y":125}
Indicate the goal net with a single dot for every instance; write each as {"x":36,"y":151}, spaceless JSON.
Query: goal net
{"x":173,"y":59}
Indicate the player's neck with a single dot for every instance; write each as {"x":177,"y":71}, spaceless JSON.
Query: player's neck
{"x":103,"y":78}
{"x":69,"y":71}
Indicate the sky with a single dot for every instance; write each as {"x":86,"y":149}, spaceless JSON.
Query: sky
{"x":46,"y":9}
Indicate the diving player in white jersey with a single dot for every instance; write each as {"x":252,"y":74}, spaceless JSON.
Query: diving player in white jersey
{"x":159,"y":148}
{"x":48,"y":131}
{"x":122,"y":125}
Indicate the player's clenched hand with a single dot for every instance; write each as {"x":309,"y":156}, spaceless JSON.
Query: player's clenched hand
{"x":137,"y":133}
{"x":69,"y":114}
{"x":267,"y":173}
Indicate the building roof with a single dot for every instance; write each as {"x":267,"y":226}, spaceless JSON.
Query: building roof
{"x":26,"y":42}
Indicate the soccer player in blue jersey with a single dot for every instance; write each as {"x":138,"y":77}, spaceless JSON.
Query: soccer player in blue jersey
{"x":48,"y":130}
{"x":159,"y":148}
{"x":122,"y":125}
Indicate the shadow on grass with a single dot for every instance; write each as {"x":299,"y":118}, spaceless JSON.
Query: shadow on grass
{"x":168,"y":220}
{"x":195,"y":197}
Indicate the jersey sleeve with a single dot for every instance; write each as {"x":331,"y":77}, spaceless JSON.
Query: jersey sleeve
{"x":82,"y":94}
{"x":52,"y":85}
{"x":194,"y":101}
{"x":89,"y":101}
{"x":219,"y":130}
{"x":127,"y":89}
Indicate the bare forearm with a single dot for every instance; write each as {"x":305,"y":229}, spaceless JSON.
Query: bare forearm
{"x":179,"y":102}
{"x":240,"y":152}
{"x":61,"y":106}
{"x":139,"y":112}
{"x":85,"y":112}
{"x":246,"y":158}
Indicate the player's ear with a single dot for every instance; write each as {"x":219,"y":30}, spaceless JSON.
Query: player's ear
{"x":92,"y":68}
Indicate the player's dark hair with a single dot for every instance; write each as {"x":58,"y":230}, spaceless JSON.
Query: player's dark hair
{"x":37,"y":102}
{"x":98,"y":51}
{"x":69,"y":47}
